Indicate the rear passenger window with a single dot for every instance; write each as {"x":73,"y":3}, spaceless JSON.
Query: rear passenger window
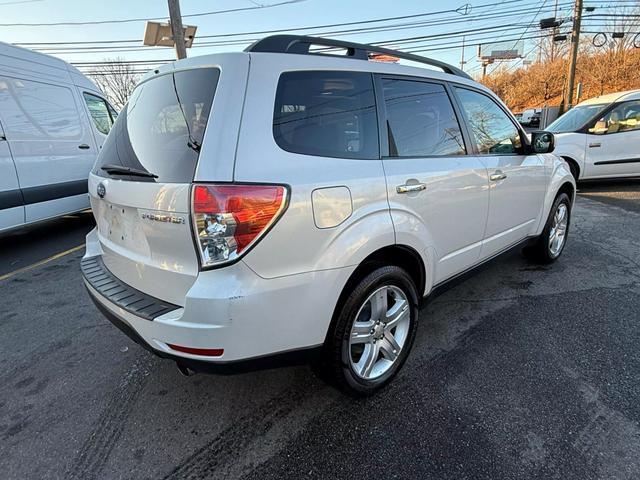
{"x":420,"y":120}
{"x":324,"y":113}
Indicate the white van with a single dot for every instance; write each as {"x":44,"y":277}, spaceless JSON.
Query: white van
{"x":600,"y":137}
{"x":53,"y":121}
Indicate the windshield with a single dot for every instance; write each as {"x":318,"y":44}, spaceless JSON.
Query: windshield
{"x":158,"y":134}
{"x":575,"y":118}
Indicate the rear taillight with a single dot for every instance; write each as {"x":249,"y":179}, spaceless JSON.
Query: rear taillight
{"x":229,"y":219}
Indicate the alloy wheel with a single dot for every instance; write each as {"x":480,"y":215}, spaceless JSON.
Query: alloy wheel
{"x":379,"y":332}
{"x":558,"y":232}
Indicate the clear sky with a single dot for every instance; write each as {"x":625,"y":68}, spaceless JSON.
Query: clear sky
{"x":501,"y":15}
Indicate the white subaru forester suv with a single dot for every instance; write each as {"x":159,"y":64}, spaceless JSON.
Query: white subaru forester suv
{"x":287,"y":204}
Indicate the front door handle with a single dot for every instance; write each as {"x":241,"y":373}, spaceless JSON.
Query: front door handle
{"x":498,"y":175}
{"x":84,"y":146}
{"x":414,"y":187}
{"x":595,"y":145}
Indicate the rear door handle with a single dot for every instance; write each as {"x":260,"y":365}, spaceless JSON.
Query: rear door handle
{"x":498,"y":175}
{"x":84,"y":146}
{"x":595,"y":145}
{"x":414,"y":187}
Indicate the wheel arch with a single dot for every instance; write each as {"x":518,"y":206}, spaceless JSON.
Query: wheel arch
{"x":402,"y":256}
{"x":568,"y":188}
{"x":573,"y":162}
{"x":561,"y":181}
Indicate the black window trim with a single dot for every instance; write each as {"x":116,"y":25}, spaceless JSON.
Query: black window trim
{"x":382,"y":116}
{"x":524,"y":140}
{"x":332,"y":70}
{"x":606,"y":111}
{"x":106,"y":103}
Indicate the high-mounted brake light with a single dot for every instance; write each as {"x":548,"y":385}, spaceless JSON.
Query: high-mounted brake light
{"x":229,"y":219}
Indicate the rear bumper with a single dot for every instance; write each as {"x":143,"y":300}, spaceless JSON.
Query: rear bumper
{"x":257,"y":322}
{"x":282,"y":359}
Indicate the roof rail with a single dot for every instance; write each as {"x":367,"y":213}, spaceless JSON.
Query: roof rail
{"x":301,"y":44}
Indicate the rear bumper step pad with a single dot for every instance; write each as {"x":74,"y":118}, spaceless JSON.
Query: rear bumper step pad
{"x":119,"y":293}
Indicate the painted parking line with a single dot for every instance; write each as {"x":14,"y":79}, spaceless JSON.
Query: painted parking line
{"x":40,"y":263}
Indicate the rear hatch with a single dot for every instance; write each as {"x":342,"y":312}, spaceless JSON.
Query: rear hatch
{"x":140,"y":185}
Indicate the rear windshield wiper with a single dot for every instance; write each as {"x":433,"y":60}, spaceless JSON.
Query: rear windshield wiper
{"x":119,"y":170}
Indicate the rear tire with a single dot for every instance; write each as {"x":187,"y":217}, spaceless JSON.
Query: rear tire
{"x":373,"y":332}
{"x":551,"y":242}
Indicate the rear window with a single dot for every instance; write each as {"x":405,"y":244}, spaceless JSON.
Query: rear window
{"x":161,"y":128}
{"x":325,"y":113}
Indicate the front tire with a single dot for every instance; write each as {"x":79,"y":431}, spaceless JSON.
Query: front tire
{"x":373,"y":332}
{"x":552,"y":240}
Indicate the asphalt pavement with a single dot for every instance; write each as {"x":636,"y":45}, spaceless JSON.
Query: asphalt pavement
{"x":623,"y":193}
{"x":522,"y":371}
{"x":26,"y":246}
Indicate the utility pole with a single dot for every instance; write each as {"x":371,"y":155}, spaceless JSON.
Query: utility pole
{"x":462,"y":62}
{"x":175,"y":18}
{"x":567,"y":101}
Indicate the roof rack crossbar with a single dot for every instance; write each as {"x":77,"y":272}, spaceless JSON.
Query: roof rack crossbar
{"x":301,"y":44}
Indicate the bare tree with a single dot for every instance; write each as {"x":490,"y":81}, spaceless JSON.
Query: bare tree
{"x":116,"y":79}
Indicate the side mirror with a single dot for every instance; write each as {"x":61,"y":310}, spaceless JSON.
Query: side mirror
{"x":542,"y":142}
{"x":600,"y":128}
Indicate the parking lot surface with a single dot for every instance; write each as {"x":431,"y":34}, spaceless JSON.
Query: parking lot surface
{"x":522,"y":371}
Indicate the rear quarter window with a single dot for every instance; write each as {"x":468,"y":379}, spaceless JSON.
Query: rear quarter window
{"x":326,"y":113}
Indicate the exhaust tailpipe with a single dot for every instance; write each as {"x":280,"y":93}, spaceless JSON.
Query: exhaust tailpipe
{"x":186,"y":371}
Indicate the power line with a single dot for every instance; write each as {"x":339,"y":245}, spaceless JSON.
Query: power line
{"x":19,"y":2}
{"x":340,"y":33}
{"x":129,"y":20}
{"x":294,"y":29}
{"x":414,"y":39}
{"x":414,"y":43}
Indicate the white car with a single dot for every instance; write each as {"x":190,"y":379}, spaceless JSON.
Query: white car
{"x":53,"y":121}
{"x":326,"y":197}
{"x":600,"y":138}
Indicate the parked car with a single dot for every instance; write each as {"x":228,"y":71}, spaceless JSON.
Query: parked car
{"x":326,"y":197}
{"x":600,"y":137}
{"x":531,"y":117}
{"x":53,"y":121}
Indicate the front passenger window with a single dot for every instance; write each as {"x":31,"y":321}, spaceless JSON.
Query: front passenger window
{"x":492,"y":129}
{"x":623,"y":118}
{"x":99,"y":112}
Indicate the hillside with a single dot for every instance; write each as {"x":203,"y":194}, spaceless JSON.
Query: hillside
{"x":599,"y":73}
